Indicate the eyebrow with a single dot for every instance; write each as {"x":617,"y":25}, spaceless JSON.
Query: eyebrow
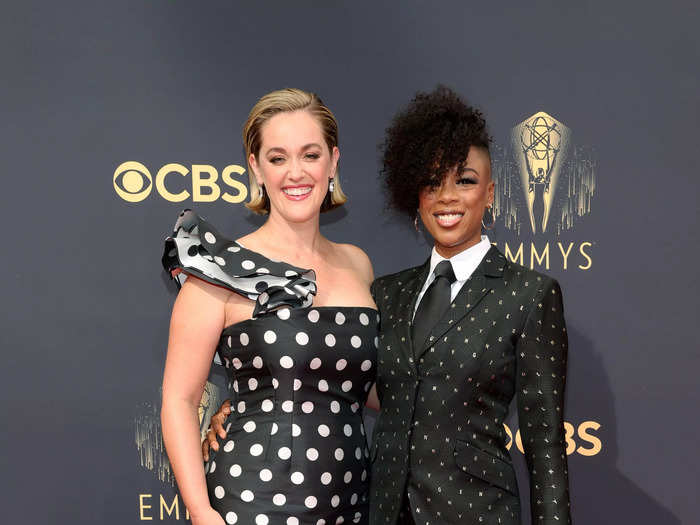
{"x":282,"y":150}
{"x":472,"y":170}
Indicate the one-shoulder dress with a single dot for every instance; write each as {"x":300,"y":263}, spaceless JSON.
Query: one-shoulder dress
{"x":295,"y":450}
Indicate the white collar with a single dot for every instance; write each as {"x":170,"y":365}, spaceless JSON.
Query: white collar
{"x":465,"y":262}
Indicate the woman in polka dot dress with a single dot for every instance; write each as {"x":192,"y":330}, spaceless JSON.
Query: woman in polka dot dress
{"x":300,"y":368}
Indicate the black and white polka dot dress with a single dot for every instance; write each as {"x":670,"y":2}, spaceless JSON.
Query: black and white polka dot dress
{"x":295,"y":451}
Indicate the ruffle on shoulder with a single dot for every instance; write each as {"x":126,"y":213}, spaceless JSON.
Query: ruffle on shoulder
{"x":197,"y":248}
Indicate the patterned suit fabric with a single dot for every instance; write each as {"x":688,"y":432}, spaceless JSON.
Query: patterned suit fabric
{"x":440,"y":436}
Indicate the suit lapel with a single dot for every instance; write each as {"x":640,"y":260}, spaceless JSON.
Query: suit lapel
{"x":410,"y":290}
{"x":472,"y":293}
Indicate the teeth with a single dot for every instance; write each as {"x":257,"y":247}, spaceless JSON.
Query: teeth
{"x":297,"y":191}
{"x":449,"y":217}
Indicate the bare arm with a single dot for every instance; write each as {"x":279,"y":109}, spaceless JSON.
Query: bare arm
{"x":195,"y":326}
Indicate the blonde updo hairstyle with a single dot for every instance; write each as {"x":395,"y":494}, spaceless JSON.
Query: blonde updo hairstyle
{"x":286,"y":100}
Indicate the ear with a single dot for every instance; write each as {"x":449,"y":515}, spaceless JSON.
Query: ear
{"x":253,"y":163}
{"x":335,"y":156}
{"x":490,"y":190}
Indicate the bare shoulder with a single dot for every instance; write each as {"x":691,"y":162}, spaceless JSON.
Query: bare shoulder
{"x":358,"y":259}
{"x":198,"y":290}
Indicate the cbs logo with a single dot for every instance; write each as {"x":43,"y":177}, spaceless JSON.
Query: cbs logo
{"x":571,"y":434}
{"x":133,"y":183}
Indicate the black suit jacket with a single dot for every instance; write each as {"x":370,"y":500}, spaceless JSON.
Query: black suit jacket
{"x":440,"y":436}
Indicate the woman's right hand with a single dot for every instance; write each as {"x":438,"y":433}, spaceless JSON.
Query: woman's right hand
{"x":216,"y":427}
{"x":208,"y":517}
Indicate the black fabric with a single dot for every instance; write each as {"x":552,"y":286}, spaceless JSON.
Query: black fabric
{"x":434,"y":302}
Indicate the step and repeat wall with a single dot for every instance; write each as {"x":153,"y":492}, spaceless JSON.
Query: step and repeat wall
{"x":117,"y":115}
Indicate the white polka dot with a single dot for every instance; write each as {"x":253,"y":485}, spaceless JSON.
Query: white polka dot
{"x":252,"y":383}
{"x":270,"y":337}
{"x":275,"y":383}
{"x":257,"y":362}
{"x":357,"y":518}
{"x":321,"y":522}
{"x":273,"y":429}
{"x":291,"y":520}
{"x":324,"y":430}
{"x":209,"y":237}
{"x":297,"y":478}
{"x":326,"y":478}
{"x":290,"y":273}
{"x":256,"y":449}
{"x":244,"y":339}
{"x":364,"y":319}
{"x":261,"y":519}
{"x":212,"y":467}
{"x":366,"y":365}
{"x":288,"y":406}
{"x":330,"y":340}
{"x":339,"y":454}
{"x":302,"y":338}
{"x":315,"y":363}
{"x":347,"y":477}
{"x":354,"y":406}
{"x":355,"y":341}
{"x":335,"y":501}
{"x":219,"y":492}
{"x":267,"y":405}
{"x":297,"y":384}
{"x":323,"y":385}
{"x":364,"y":475}
{"x":310,"y":502}
{"x":233,"y":249}
{"x":341,"y":364}
{"x":266,"y":474}
{"x":346,"y":386}
{"x":312,"y":454}
{"x":241,"y":407}
{"x":263,"y":298}
{"x":347,"y":430}
{"x":283,"y":313}
{"x":286,"y":362}
{"x":235,"y":470}
{"x":236,"y":363}
{"x":307,"y":407}
{"x":339,"y":520}
{"x":376,"y":342}
{"x":358,"y":452}
{"x":228,"y":447}
{"x":313,"y":316}
{"x":248,"y":265}
{"x":339,"y":318}
{"x":262,"y":269}
{"x":296,"y":430}
{"x":220,"y":261}
{"x":279,"y":499}
{"x":235,"y":385}
{"x":353,"y":500}
{"x":231,"y":518}
{"x":249,"y":426}
{"x":284,"y":453}
{"x":335,"y":407}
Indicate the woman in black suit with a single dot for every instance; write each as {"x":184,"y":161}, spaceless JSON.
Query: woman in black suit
{"x":460,"y":335}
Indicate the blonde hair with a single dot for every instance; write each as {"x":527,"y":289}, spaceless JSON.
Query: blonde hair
{"x":281,"y":101}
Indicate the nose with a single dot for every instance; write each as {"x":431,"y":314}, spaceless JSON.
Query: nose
{"x":447,"y":192}
{"x":296,"y":170}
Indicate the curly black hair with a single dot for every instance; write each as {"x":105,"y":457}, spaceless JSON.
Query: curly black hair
{"x":425,"y":140}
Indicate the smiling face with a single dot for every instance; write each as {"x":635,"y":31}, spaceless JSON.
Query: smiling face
{"x":452,"y":211}
{"x":294,"y":165}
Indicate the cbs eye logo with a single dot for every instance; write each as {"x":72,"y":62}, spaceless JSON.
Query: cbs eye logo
{"x":133,"y":183}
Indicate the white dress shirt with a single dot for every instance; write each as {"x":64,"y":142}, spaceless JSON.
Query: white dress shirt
{"x":463,"y":265}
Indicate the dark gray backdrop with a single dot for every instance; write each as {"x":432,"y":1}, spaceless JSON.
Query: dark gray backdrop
{"x":87,"y":86}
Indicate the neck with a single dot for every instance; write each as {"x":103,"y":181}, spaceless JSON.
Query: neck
{"x":298,"y":240}
{"x":448,"y":251}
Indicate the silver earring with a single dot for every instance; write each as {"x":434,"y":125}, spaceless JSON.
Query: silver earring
{"x":415,"y":223}
{"x":331,"y":186}
{"x":261,"y":189}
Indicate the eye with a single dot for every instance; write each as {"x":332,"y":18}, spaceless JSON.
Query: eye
{"x":312,"y":156}
{"x":276,"y":160}
{"x":467,"y":180}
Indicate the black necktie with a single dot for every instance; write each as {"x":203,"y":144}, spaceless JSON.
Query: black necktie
{"x":434,"y":303}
